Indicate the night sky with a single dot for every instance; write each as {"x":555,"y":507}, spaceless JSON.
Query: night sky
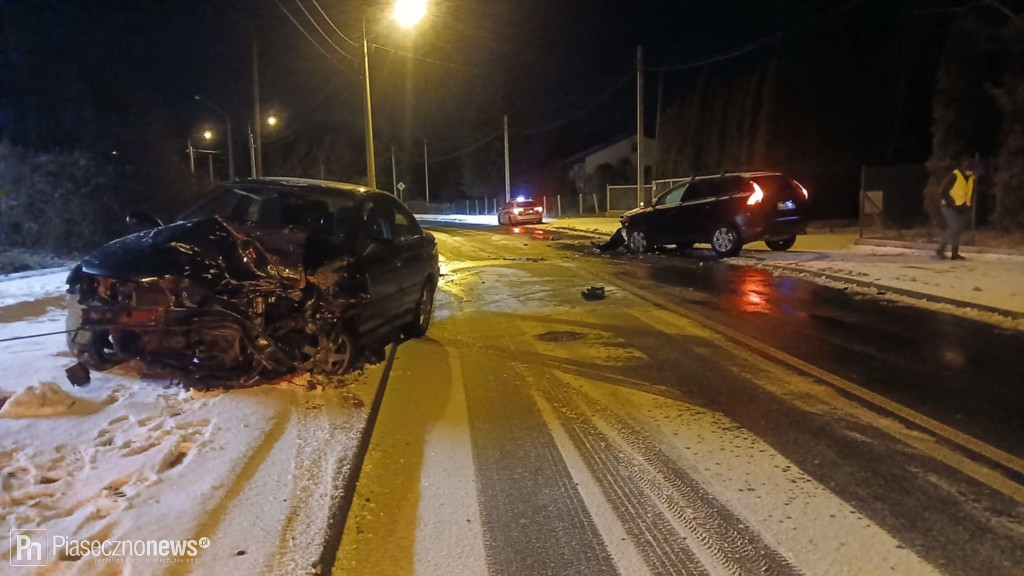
{"x":121,"y":74}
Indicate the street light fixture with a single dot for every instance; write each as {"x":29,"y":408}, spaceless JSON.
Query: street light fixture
{"x":408,"y":13}
{"x":254,"y":162}
{"x":208,"y":134}
{"x":227,"y":119}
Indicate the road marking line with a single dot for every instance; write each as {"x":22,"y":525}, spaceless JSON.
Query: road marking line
{"x":994,"y":454}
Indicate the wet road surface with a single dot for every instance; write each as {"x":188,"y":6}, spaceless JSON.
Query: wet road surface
{"x":536,"y":433}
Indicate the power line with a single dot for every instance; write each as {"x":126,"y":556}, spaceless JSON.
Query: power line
{"x":469,"y":148}
{"x":757,"y":44}
{"x":415,"y":57}
{"x":319,"y":29}
{"x":345,"y":38}
{"x":608,"y":94}
{"x":310,"y":38}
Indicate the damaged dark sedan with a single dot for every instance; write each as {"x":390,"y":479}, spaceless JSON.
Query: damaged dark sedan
{"x":262,"y":278}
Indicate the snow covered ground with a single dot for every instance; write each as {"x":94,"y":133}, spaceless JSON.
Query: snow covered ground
{"x":978,"y":287}
{"x":134,"y":456}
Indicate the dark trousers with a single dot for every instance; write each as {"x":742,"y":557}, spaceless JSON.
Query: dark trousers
{"x":954,"y":227}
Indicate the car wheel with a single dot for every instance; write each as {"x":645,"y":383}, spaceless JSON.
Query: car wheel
{"x":781,"y":245}
{"x":424,"y":310}
{"x":726,"y":241}
{"x":337,"y":352}
{"x":499,"y":220}
{"x":636,"y":241}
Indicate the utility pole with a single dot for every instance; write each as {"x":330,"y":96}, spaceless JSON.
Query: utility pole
{"x":657,"y":124}
{"x":394,"y":173}
{"x":508,"y":187}
{"x":210,"y":156}
{"x":371,"y":168}
{"x":426,"y":169}
{"x":257,"y":152}
{"x":191,"y":158}
{"x":252,"y":151}
{"x":641,"y":196}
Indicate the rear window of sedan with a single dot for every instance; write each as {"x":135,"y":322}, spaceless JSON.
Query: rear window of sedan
{"x":526,"y":204}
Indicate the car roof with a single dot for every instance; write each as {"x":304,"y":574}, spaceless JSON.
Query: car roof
{"x":300,"y":183}
{"x":739,"y":174}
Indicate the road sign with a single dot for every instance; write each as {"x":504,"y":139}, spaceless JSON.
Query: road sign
{"x":401,"y":186}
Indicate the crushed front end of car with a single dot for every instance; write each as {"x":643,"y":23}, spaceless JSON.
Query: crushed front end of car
{"x":223,"y":304}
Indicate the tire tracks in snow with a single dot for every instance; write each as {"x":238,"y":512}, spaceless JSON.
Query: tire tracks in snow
{"x":633,"y":478}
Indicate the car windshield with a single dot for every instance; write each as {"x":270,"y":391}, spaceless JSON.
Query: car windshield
{"x":318,"y":213}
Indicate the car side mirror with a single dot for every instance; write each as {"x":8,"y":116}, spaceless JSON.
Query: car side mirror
{"x":143,"y":221}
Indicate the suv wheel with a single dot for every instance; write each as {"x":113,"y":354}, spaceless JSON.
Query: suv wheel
{"x":726,"y":241}
{"x":636,"y":241}
{"x":781,"y":245}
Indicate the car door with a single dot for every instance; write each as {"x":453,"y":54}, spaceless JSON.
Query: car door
{"x":381,"y":264}
{"x":696,"y":211}
{"x":665,"y":219}
{"x":415,"y":253}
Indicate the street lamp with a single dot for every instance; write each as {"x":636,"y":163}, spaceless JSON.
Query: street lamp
{"x":253,"y":145}
{"x":207,"y":134}
{"x":227,"y":119}
{"x":407,"y":13}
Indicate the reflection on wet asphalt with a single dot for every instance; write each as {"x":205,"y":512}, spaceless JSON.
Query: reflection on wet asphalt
{"x":961,"y":372}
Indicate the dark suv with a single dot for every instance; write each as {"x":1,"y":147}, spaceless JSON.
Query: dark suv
{"x":727,"y":211}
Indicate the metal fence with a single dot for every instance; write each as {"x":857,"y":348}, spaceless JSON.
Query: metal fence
{"x":892,"y":202}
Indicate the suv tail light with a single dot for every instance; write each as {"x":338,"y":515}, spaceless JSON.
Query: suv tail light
{"x":802,"y":189}
{"x":756,"y":197}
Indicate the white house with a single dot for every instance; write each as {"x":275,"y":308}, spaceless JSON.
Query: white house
{"x":584,"y":165}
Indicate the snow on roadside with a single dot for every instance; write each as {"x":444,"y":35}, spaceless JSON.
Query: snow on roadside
{"x":28,"y":286}
{"x":132,"y":456}
{"x":990,"y":280}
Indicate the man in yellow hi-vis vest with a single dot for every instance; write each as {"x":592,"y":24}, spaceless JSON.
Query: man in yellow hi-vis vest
{"x":956,"y":204}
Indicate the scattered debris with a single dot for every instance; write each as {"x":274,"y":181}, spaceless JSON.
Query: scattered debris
{"x":78,"y":375}
{"x":561,"y":336}
{"x":524,"y":259}
{"x":593,"y":293}
{"x":554,"y":238}
{"x":977,"y":289}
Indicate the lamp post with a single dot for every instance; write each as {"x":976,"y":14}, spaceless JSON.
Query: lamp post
{"x":255,"y":161}
{"x":227,"y":119}
{"x":407,"y":13}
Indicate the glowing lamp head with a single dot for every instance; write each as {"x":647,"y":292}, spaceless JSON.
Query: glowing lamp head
{"x":408,"y":13}
{"x":208,"y":134}
{"x":272,"y":120}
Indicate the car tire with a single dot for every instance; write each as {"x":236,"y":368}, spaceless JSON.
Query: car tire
{"x":338,"y":353}
{"x":781,"y":245}
{"x":725,"y":241}
{"x":636,"y":241}
{"x":424,"y":310}
{"x":499,"y":220}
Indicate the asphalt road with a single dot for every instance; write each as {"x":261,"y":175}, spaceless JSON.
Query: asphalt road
{"x":702,"y":419}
